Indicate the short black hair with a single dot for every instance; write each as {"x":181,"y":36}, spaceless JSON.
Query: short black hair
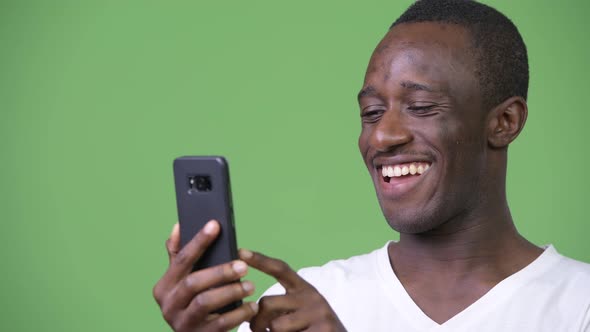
{"x":501,"y":55}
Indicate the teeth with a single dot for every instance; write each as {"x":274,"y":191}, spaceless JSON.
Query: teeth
{"x":420,"y":169}
{"x":405,"y":169}
{"x":387,"y":171}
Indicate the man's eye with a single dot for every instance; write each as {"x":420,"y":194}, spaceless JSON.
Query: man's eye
{"x":422,"y":109}
{"x":371,"y":115}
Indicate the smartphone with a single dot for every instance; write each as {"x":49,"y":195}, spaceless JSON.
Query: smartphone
{"x":203,"y":193}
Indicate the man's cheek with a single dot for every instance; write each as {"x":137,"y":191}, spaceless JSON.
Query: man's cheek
{"x":363,"y":145}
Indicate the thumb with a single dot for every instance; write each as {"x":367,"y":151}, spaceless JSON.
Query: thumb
{"x":173,"y":242}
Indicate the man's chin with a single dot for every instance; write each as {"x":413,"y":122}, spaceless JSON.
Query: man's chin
{"x":410,"y":223}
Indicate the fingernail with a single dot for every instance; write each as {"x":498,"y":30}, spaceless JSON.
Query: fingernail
{"x":210,"y":227}
{"x":248,"y":286}
{"x":246,"y":254}
{"x":240,"y":267}
{"x":254,"y":306}
{"x":174,"y":229}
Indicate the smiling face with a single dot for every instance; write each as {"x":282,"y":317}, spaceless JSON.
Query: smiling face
{"x":423,"y":126}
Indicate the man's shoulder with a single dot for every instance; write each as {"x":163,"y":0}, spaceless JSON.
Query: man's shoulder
{"x":572,"y":269}
{"x":562,"y":279}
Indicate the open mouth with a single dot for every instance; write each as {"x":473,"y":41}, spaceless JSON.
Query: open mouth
{"x":403,"y":171}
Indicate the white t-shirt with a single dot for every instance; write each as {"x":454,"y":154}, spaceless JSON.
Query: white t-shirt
{"x":550,"y":294}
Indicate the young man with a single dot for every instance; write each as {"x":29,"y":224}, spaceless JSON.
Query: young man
{"x":444,"y":95}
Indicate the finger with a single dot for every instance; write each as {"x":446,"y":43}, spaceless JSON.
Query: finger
{"x":201,"y":280}
{"x":173,"y":242}
{"x":216,"y":322}
{"x":217,"y":298}
{"x":271,"y":307}
{"x":233,"y":318}
{"x":183,"y":262}
{"x":172,"y":247}
{"x":295,"y":321}
{"x":274,"y":267}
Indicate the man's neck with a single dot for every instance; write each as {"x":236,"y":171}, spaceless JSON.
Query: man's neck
{"x":457,"y":264}
{"x":487,"y":248}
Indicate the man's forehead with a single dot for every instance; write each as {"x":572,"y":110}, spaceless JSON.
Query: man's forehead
{"x":429,"y":39}
{"x":441,"y":33}
{"x":411,"y":70}
{"x":421,"y":56}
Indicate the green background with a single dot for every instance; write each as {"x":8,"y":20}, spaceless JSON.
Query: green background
{"x":98,"y":97}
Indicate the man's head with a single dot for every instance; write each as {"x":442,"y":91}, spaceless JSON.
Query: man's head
{"x":502,"y":66}
{"x":441,"y":101}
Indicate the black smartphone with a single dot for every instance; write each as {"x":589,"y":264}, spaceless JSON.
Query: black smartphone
{"x":203,"y":193}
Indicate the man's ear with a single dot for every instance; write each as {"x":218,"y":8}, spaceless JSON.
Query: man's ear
{"x":505,"y":121}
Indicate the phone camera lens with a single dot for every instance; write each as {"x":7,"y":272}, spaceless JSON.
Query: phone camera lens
{"x":200,"y":182}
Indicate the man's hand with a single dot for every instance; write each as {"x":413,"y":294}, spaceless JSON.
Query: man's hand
{"x":187,"y":299}
{"x":301,"y":308}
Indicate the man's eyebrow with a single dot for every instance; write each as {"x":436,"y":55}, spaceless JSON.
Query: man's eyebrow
{"x":416,"y":86}
{"x":370,"y":91}
{"x":366,"y":92}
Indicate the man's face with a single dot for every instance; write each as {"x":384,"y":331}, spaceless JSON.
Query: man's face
{"x":423,"y":127}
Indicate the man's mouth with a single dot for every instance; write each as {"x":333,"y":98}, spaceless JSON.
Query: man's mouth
{"x":399,"y":171}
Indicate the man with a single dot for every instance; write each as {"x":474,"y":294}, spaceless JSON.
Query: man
{"x":444,"y":95}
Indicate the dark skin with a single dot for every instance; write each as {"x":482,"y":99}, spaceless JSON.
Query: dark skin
{"x":420,"y":102}
{"x":187,"y":300}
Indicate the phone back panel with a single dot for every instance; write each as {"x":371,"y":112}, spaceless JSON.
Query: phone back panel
{"x":196,"y":208}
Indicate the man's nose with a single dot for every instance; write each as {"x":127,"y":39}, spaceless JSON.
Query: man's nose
{"x":391,"y":131}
